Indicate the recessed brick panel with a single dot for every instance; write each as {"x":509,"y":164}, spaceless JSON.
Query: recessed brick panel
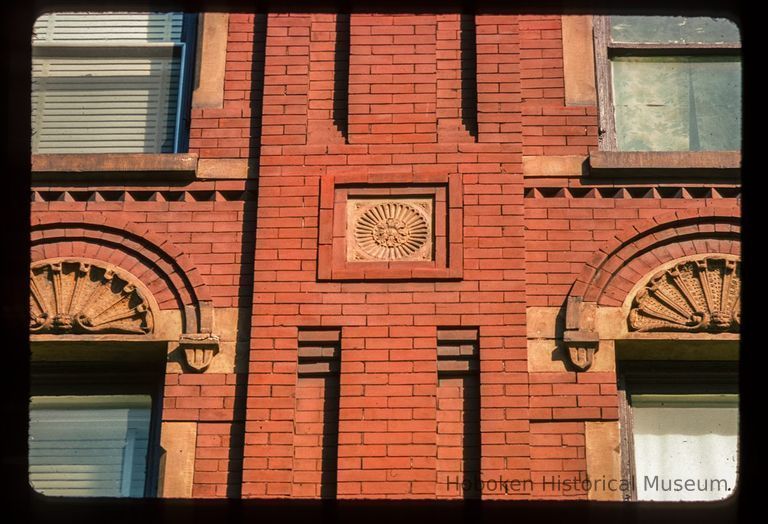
{"x":355,"y":220}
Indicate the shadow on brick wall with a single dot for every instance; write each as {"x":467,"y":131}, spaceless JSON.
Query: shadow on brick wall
{"x":245,"y":284}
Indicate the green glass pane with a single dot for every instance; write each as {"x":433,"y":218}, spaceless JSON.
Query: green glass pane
{"x":673,"y":30}
{"x":89,"y":446}
{"x":717,"y":99}
{"x":677,"y":103}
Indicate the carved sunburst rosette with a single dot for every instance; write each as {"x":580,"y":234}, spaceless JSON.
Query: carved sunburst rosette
{"x":388,"y":230}
{"x":76,"y":297}
{"x":695,"y":296}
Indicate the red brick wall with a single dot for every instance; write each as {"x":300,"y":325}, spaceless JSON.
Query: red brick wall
{"x":558,"y":460}
{"x":314,"y":460}
{"x":525,"y":241}
{"x":388,"y":386}
{"x":549,"y":126}
{"x":458,"y":439}
{"x":228,"y":132}
{"x":205,"y":221}
{"x":562,"y":233}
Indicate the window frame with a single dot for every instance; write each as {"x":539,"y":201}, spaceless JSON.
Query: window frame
{"x":187,"y":79}
{"x":81,"y":378}
{"x":185,"y":49}
{"x":606,"y":49}
{"x":665,"y":377}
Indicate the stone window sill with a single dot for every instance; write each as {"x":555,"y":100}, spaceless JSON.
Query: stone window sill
{"x":116,"y":165}
{"x":702,"y":164}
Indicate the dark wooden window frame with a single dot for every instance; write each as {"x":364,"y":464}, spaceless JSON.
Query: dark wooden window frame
{"x":660,"y":377}
{"x":605,"y":49}
{"x":57,"y":378}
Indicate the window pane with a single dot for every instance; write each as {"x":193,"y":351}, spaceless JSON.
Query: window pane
{"x":685,"y":446}
{"x":119,"y":104}
{"x":673,"y":30}
{"x":86,"y":446}
{"x":106,"y":82}
{"x":677,"y":103}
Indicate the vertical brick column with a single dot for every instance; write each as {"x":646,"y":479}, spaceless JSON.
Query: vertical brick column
{"x":392,"y":89}
{"x":456,"y":78}
{"x":316,"y":427}
{"x":388,"y":382}
{"x":498,"y":78}
{"x":387,"y":409}
{"x":494,"y":252}
{"x":286,"y":79}
{"x":458,"y":413}
{"x":328,"y":79}
{"x":268,"y":454}
{"x":269,"y":426}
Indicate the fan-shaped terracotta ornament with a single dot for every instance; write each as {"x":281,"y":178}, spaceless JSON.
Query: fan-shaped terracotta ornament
{"x":694,"y":296}
{"x":76,"y":297}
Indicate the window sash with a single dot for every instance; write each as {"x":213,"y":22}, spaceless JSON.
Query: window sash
{"x":605,"y":49}
{"x":655,"y":381}
{"x":127,"y":104}
{"x":61,"y":380}
{"x":90,"y":445}
{"x":677,"y":103}
{"x":685,"y":438}
{"x":96,"y":28}
{"x":684,"y":32}
{"x":151,"y":116}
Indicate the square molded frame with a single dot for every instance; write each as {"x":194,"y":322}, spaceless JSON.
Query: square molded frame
{"x":444,"y":190}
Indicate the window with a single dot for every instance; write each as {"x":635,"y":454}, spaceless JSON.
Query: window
{"x":93,"y":430}
{"x":89,"y":445}
{"x":680,"y":429}
{"x":668,"y":83}
{"x":111,"y":82}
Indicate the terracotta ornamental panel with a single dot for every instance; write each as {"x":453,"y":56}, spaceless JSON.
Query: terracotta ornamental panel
{"x":695,"y":296}
{"x":71,"y":296}
{"x":403,"y":229}
{"x":393,"y":229}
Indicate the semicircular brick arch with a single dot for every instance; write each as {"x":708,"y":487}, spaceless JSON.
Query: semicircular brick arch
{"x":161,"y":266}
{"x":614,"y":270}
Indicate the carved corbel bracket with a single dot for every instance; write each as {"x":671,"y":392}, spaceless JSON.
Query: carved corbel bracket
{"x":199,"y":349}
{"x":581,"y":346}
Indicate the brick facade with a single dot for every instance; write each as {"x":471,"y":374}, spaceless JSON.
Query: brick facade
{"x":388,"y":101}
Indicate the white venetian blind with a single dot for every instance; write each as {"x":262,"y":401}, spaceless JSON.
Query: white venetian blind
{"x":85,"y":446}
{"x":105,"y":82}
